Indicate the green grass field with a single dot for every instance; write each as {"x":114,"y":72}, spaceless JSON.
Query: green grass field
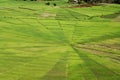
{"x":39,"y":42}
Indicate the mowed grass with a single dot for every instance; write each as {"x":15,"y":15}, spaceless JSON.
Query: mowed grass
{"x":39,"y":42}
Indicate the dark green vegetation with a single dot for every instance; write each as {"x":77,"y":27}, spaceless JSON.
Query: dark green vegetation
{"x":96,"y":1}
{"x":80,"y":1}
{"x":39,"y":42}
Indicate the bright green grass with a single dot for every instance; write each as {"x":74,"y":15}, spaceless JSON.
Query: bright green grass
{"x":39,"y":42}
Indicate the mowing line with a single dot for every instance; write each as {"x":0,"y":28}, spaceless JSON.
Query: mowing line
{"x":58,"y":72}
{"x":97,"y":67}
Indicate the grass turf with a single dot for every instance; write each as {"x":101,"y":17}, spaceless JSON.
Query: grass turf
{"x":39,"y":42}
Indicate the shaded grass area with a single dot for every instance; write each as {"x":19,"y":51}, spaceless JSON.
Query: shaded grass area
{"x":111,"y":15}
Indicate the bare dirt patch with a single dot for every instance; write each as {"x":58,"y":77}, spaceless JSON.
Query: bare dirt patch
{"x":83,"y":5}
{"x":45,"y":15}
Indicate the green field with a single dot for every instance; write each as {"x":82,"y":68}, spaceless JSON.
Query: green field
{"x":39,"y":42}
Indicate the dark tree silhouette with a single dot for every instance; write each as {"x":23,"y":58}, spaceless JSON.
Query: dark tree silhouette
{"x":97,"y":1}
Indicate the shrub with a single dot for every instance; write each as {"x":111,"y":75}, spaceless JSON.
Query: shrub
{"x":54,"y":4}
{"x":48,"y":3}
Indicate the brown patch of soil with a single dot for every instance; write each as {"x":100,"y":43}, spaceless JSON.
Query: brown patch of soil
{"x":47,"y":15}
{"x":82,"y":6}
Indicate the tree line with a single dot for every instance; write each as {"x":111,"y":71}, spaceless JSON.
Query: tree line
{"x":87,"y":1}
{"x":96,"y":1}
